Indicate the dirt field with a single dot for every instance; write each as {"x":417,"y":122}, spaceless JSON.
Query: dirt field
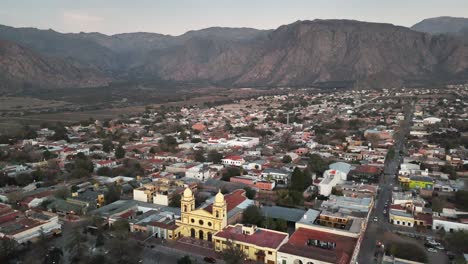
{"x":26,"y":103}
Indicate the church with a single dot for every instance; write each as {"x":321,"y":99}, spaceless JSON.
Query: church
{"x":202,"y":223}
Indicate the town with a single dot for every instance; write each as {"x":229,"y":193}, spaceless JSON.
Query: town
{"x":299,"y":177}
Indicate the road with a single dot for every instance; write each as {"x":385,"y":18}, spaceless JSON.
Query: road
{"x":375,"y":230}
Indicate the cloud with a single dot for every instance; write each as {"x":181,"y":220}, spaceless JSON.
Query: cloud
{"x":80,"y":18}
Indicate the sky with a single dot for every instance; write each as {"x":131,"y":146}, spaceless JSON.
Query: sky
{"x":176,"y":17}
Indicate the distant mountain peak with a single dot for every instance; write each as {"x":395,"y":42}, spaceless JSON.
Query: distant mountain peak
{"x":441,"y":25}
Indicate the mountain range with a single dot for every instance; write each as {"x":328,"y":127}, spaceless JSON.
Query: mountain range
{"x":443,"y":25}
{"x":304,"y":53}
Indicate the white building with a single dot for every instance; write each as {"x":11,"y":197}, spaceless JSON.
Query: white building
{"x":26,"y":229}
{"x":201,"y":172}
{"x":280,"y":176}
{"x":233,"y":161}
{"x":337,"y":174}
{"x":245,"y":142}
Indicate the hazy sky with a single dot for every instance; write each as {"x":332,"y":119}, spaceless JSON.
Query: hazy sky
{"x":178,"y":16}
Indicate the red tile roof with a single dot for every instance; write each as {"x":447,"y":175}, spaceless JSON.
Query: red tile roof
{"x":427,"y":218}
{"x":232,"y":199}
{"x":341,"y":254}
{"x":368,"y":169}
{"x":261,"y":237}
{"x":234,"y":158}
{"x":127,"y":214}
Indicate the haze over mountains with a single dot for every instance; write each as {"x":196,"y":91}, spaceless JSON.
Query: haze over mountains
{"x":304,"y":53}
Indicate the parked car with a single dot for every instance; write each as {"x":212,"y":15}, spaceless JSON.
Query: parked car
{"x":440,"y":247}
{"x":209,"y":259}
{"x":432,"y":250}
{"x":376,"y":219}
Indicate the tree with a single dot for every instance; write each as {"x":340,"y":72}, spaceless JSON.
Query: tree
{"x":298,"y":180}
{"x":199,"y":156}
{"x":76,"y":244}
{"x":450,"y":170}
{"x":8,"y":249}
{"x":175,"y":202}
{"x":62,"y":193}
{"x":104,"y":171}
{"x":60,"y":133}
{"x":214,"y":156}
{"x":119,"y":152}
{"x":336,"y":192}
{"x":24,"y":179}
{"x":233,"y":254}
{"x":317,"y":164}
{"x":84,"y":163}
{"x":461,"y":199}
{"x":184,"y":260}
{"x":107,"y":145}
{"x":252,"y":215}
{"x":390,"y":154}
{"x":183,"y":135}
{"x":458,"y":241}
{"x":278,"y":224}
{"x":230,"y":172}
{"x":121,"y":228}
{"x":122,"y":251}
{"x":112,"y":194}
{"x":15,"y":197}
{"x":249,"y":192}
{"x":286,"y":159}
{"x":80,"y":173}
{"x":408,"y":251}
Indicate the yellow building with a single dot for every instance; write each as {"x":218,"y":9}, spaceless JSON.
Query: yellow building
{"x":335,"y":220}
{"x":201,"y":223}
{"x":259,"y":244}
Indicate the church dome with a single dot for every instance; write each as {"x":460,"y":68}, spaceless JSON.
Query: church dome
{"x":188,"y":193}
{"x":219,"y":198}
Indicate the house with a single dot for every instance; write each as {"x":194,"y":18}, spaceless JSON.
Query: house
{"x":233,"y":161}
{"x":254,"y":182}
{"x":314,"y":246}
{"x":105,"y":163}
{"x":258,"y":244}
{"x":337,"y":173}
{"x":421,"y":182}
{"x":280,"y":176}
{"x":30,"y":226}
{"x":398,"y":215}
{"x":365,"y":174}
{"x":244,"y":142}
{"x":201,"y":172}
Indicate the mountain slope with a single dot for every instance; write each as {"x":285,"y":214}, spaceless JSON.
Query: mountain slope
{"x":54,"y":44}
{"x":309,"y":52}
{"x":441,"y":25}
{"x":303,"y":53}
{"x":20,"y":67}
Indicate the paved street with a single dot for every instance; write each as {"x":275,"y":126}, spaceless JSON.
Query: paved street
{"x":375,"y":230}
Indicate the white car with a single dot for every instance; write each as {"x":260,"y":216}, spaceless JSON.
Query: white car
{"x":432,"y":250}
{"x":376,"y":219}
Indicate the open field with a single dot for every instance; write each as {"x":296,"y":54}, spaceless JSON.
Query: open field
{"x":27,"y":103}
{"x":201,"y":97}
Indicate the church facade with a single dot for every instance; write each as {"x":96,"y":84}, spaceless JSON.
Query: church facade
{"x":201,"y":223}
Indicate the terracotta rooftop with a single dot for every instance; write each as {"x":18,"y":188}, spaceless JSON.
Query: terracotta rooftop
{"x":232,"y":199}
{"x":341,"y":254}
{"x":261,"y":237}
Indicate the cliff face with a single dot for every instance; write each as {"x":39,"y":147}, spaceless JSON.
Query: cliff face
{"x":20,"y":67}
{"x":308,"y":52}
{"x":303,"y":53}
